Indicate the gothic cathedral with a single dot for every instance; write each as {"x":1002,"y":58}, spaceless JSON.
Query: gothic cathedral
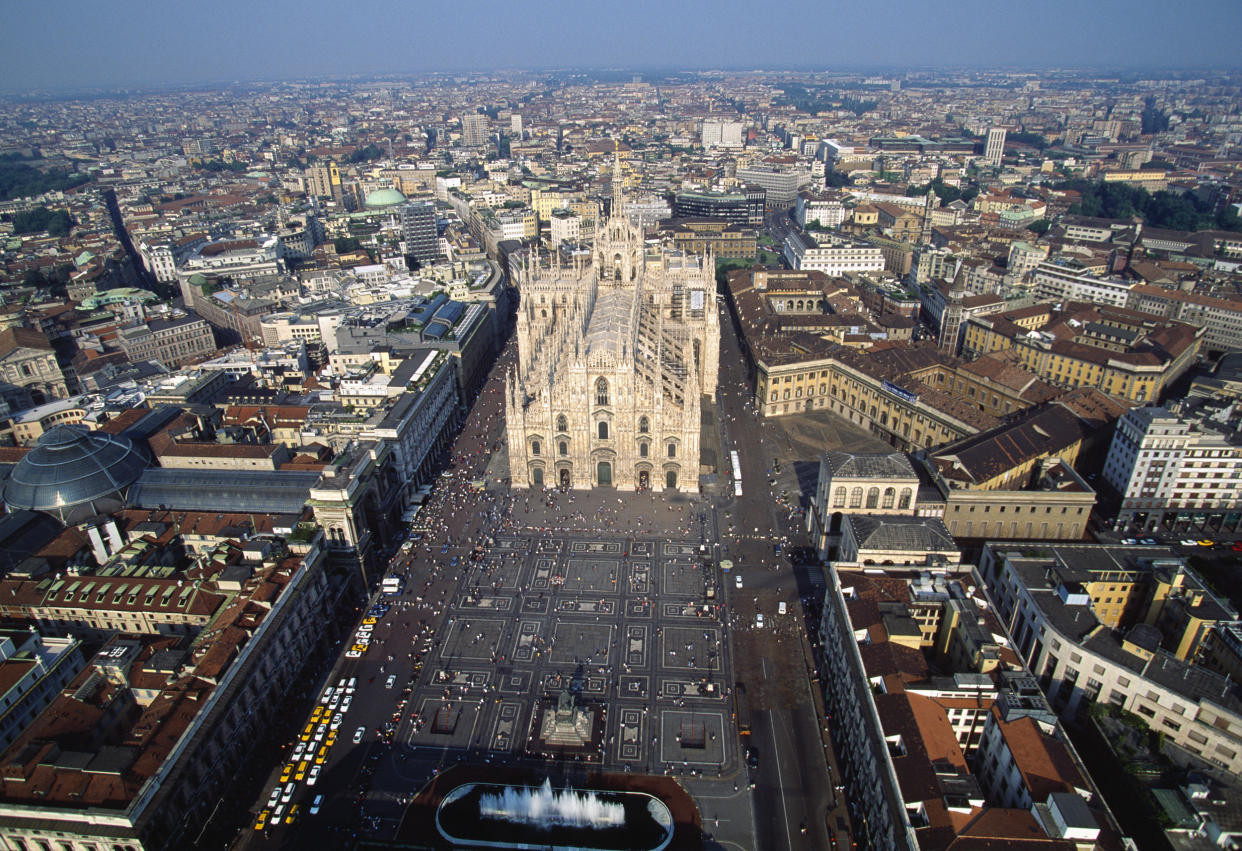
{"x":615,"y":356}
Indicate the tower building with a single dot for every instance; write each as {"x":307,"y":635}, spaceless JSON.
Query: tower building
{"x":474,"y":130}
{"x":994,"y":151}
{"x":615,"y":355}
{"x":418,"y":228}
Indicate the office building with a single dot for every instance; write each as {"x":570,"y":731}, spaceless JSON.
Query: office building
{"x":474,"y":130}
{"x":1174,"y":471}
{"x":723,"y":134}
{"x":994,"y":151}
{"x":418,"y":228}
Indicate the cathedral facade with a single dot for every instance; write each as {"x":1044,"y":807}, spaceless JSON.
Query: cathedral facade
{"x":615,"y":357}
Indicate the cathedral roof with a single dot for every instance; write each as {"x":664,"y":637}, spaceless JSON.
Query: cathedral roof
{"x":610,"y":329}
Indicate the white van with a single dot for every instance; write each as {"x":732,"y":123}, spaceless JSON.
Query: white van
{"x":780,"y":607}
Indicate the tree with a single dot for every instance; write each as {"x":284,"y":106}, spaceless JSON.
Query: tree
{"x":346,"y":244}
{"x":19,"y":180}
{"x":1163,"y":209}
{"x":370,"y":152}
{"x":42,"y":220}
{"x":1039,"y":226}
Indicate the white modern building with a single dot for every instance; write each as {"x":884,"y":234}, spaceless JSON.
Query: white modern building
{"x":1172,"y":469}
{"x":1061,"y":281}
{"x":994,"y":151}
{"x":832,"y":255}
{"x":723,"y":134}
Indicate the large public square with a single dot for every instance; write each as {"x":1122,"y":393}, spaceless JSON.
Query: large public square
{"x":629,"y":629}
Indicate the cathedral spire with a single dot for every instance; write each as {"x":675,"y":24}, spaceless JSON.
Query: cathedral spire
{"x":618,"y":186}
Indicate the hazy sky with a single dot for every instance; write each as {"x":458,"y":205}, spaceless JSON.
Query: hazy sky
{"x":75,"y":43}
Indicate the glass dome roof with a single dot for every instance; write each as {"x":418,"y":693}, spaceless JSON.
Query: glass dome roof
{"x":72,"y":466}
{"x":384,"y":198}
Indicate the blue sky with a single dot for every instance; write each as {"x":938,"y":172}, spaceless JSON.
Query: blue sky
{"x":72,"y":43}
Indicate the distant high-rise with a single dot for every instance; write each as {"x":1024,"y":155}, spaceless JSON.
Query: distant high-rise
{"x":474,"y":130}
{"x":722,"y":134}
{"x":418,"y":227}
{"x":515,"y":124}
{"x":995,"y":150}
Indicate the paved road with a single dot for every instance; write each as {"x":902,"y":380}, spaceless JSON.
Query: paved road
{"x":776,"y":662}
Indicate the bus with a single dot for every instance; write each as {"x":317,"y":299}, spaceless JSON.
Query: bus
{"x":737,"y":473}
{"x":741,"y":709}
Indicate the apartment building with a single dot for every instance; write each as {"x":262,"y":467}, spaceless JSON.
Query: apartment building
{"x":139,"y":746}
{"x":1122,"y":352}
{"x":1120,"y":625}
{"x":1176,"y":471}
{"x":941,"y":732}
{"x":1220,"y":318}
{"x":172,"y":342}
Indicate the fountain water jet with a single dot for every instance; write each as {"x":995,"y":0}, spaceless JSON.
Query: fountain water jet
{"x":543,"y":806}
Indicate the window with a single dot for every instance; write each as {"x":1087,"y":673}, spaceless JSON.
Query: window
{"x":642,"y":450}
{"x":534,"y":447}
{"x":890,"y":494}
{"x":603,"y":430}
{"x":838,"y":498}
{"x":562,"y":423}
{"x":856,"y":498}
{"x":672,"y":450}
{"x":564,"y":447}
{"x":904,"y":501}
{"x":644,"y":425}
{"x":601,"y":392}
{"x":873,"y":497}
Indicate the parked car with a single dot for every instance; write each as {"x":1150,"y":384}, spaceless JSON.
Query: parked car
{"x":737,"y":580}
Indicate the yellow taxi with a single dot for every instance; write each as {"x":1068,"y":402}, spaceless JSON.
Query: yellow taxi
{"x":261,"y":821}
{"x":293,"y":814}
{"x":359,"y":648}
{"x":286,"y":772}
{"x":322,"y":756}
{"x":370,"y":620}
{"x":317,"y":713}
{"x":300,"y":774}
{"x":331,"y":740}
{"x":306,"y":733}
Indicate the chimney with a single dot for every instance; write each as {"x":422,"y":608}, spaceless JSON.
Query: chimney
{"x":114,"y":536}
{"x":97,"y":545}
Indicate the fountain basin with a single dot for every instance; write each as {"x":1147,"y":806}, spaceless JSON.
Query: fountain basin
{"x":533,"y":818}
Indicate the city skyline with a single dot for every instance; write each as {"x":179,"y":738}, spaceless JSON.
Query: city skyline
{"x":75,"y":46}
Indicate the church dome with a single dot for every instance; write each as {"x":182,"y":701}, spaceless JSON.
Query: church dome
{"x":74,"y":473}
{"x":384,"y":198}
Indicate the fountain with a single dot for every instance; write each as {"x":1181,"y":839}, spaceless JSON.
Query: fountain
{"x":542,"y":806}
{"x":493,"y":815}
